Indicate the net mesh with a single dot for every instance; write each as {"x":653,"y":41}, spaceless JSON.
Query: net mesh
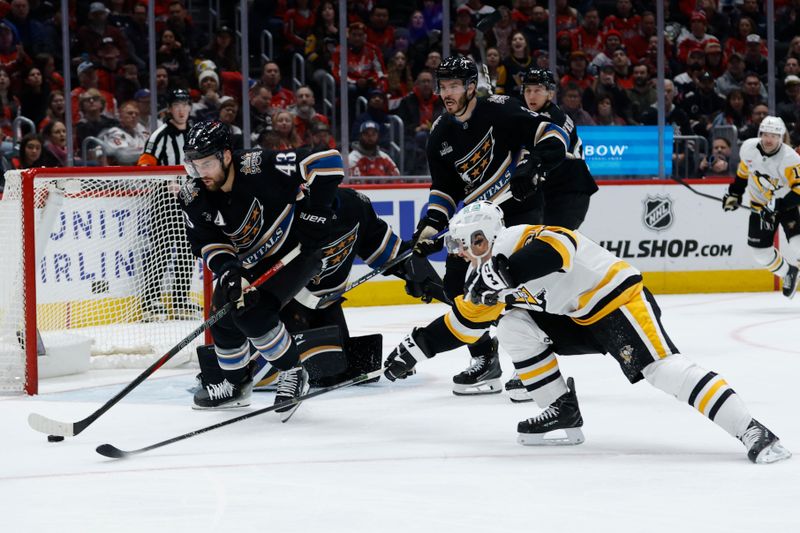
{"x":112,"y":264}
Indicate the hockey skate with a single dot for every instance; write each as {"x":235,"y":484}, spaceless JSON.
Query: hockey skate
{"x":763,"y":446}
{"x":482,"y":376}
{"x":292,"y":384}
{"x":223,"y":395}
{"x":563,"y":414}
{"x":790,"y":282}
{"x":516,"y":390}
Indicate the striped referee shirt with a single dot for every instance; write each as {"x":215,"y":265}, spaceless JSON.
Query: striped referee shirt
{"x":165,"y":146}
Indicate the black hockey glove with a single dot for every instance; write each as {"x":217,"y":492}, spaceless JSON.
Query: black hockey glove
{"x":422,"y":281}
{"x":527,"y":177}
{"x":731,"y":201}
{"x":768,"y":216}
{"x":403,"y":359}
{"x":313,"y":227}
{"x":233,"y":287}
{"x":423,"y":240}
{"x":484,"y":285}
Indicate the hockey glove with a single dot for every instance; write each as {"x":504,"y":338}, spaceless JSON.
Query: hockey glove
{"x":422,"y":241}
{"x":234,"y":287}
{"x":313,"y":226}
{"x":485,"y":285}
{"x":731,"y":202}
{"x":527,"y":176}
{"x":403,"y":359}
{"x":768,"y":216}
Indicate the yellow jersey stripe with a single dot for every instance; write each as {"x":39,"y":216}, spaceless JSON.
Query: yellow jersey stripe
{"x":462,"y":336}
{"x":586,"y":297}
{"x":478,"y":313}
{"x":707,"y":397}
{"x":626,"y":296}
{"x":539,"y":371}
{"x":641,"y":314}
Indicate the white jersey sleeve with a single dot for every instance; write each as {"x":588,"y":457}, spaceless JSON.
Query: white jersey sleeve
{"x":768,"y":176}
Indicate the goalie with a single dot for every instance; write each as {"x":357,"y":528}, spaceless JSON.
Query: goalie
{"x":514,"y":271}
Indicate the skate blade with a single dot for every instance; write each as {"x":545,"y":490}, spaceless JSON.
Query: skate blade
{"x":557,"y":437}
{"x":773,"y":453}
{"x":519,"y":395}
{"x":492,"y":386}
{"x":287,"y":414}
{"x":230,"y":405}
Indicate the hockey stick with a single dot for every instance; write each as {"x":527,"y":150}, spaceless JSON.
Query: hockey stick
{"x":49,"y":426}
{"x":109,"y":450}
{"x":710,"y":196}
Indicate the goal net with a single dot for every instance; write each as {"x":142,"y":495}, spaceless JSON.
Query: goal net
{"x":93,"y":260}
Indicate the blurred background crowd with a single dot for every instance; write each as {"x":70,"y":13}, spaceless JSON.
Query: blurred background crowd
{"x":715,"y":89}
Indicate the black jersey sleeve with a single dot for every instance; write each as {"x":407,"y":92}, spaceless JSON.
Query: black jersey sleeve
{"x":206,"y":240}
{"x":447,"y":188}
{"x":322,"y":172}
{"x":378,"y":243}
{"x":537,"y":133}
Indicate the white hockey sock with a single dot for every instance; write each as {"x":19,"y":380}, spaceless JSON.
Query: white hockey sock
{"x":541,"y":377}
{"x":705,"y":391}
{"x":771,"y":259}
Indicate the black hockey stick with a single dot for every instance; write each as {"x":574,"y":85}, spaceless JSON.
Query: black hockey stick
{"x":70,"y":429}
{"x":109,"y":450}
{"x":710,"y":196}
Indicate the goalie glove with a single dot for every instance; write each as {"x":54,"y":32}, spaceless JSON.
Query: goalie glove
{"x":423,"y":241}
{"x":485,"y":285}
{"x":403,"y":359}
{"x":527,"y":176}
{"x":731,"y":201}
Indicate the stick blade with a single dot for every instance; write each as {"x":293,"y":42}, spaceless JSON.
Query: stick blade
{"x":42,"y":424}
{"x":109,"y":450}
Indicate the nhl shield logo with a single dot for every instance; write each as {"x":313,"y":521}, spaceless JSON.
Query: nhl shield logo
{"x":658,"y":214}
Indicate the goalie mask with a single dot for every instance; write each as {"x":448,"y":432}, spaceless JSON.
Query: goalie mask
{"x":474,"y":229}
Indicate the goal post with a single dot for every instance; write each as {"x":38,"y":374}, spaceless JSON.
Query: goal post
{"x":94,"y":259}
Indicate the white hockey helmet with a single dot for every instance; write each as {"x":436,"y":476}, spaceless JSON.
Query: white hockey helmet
{"x":772,"y":124}
{"x":478,"y":218}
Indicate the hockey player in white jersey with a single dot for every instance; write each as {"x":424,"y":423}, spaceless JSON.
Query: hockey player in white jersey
{"x":769,"y":170}
{"x":516,"y":273}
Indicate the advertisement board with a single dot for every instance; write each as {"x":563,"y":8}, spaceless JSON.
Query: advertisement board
{"x":625,"y":150}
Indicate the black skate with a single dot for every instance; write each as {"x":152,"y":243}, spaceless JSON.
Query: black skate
{"x":763,"y":446}
{"x":292,"y":384}
{"x":563,"y":414}
{"x":516,"y":390}
{"x":482,"y":376}
{"x":223,"y":395}
{"x":790,"y":282}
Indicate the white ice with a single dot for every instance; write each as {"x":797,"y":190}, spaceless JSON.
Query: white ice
{"x":412,"y":457}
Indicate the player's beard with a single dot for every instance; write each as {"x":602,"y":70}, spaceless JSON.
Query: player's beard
{"x":214,"y":183}
{"x":461,"y":106}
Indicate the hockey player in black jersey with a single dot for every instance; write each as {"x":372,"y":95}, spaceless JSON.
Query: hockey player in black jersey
{"x":483,"y":149}
{"x":566,"y":190}
{"x":328,"y":352}
{"x":244,"y":211}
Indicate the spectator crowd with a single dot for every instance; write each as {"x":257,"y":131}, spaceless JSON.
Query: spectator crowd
{"x":606,"y":63}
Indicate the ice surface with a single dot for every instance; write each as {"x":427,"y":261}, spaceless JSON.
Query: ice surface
{"x":411,"y":456}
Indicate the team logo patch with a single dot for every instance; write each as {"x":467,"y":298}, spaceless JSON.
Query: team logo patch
{"x":766,"y":183}
{"x":335,"y":254}
{"x":188,"y":191}
{"x":658,"y":214}
{"x":245,"y":235}
{"x":626,"y":353}
{"x":251,"y":163}
{"x":446,"y":149}
{"x":498,"y":98}
{"x":477,"y":161}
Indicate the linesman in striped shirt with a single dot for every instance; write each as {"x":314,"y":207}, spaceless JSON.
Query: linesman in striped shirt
{"x":165,"y":148}
{"x":520,"y":273}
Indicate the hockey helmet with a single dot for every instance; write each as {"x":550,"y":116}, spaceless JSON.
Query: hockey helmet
{"x":209,"y":137}
{"x":772,"y":124}
{"x":538,"y":76}
{"x":179,"y":95}
{"x":457,"y":68}
{"x":476,"y":219}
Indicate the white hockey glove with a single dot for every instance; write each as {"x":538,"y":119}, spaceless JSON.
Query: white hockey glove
{"x":731,"y":202}
{"x":485,"y":286}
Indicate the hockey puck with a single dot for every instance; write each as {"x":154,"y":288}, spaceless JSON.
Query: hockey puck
{"x":54,"y":438}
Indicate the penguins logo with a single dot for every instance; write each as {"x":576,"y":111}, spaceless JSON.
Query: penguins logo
{"x":658,"y":214}
{"x":335,"y":254}
{"x":473,"y":165}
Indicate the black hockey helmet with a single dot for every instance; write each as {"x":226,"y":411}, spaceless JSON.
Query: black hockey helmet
{"x":179,"y":95}
{"x":538,"y":76}
{"x":206,"y":138}
{"x":457,"y":68}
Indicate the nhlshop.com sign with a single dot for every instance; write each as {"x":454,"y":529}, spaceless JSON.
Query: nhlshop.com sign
{"x":625,"y":150}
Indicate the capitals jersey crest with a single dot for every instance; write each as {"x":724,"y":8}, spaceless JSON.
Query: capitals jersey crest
{"x":336,"y":253}
{"x":246,"y":234}
{"x":474,"y":164}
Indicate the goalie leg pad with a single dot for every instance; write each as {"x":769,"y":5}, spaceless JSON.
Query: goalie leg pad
{"x":321,"y":352}
{"x":705,"y":391}
{"x":533,"y":357}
